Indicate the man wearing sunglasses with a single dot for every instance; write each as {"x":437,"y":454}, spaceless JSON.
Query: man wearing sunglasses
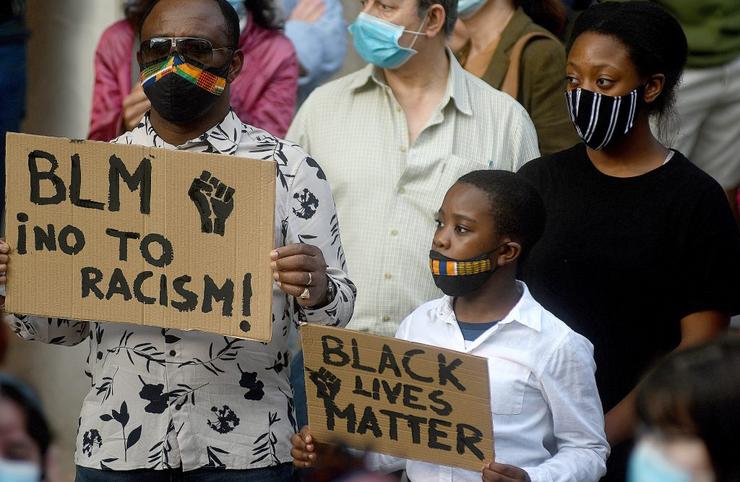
{"x":174,"y":405}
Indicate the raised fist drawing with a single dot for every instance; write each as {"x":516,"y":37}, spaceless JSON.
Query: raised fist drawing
{"x":327,"y":384}
{"x":212,"y":197}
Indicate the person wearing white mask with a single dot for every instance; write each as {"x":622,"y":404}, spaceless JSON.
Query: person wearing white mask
{"x":392,"y":137}
{"x":25,"y":435}
{"x":687,"y":409}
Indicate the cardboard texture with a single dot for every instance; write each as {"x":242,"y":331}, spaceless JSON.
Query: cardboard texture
{"x":120,"y":233}
{"x":399,"y":398}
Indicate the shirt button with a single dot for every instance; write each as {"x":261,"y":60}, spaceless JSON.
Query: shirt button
{"x":386,"y":318}
{"x":398,"y":108}
{"x":394,"y":232}
{"x":403,"y":148}
{"x":173,"y":353}
{"x":401,"y":190}
{"x":387,"y":276}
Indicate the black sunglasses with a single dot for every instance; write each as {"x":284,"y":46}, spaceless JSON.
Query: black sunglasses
{"x":192,"y":49}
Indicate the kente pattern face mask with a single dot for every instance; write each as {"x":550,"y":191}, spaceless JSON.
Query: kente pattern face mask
{"x":458,"y":277}
{"x":376,"y":41}
{"x":602,"y":119}
{"x":181,"y":92}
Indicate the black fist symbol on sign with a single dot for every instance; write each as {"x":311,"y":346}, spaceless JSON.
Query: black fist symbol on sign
{"x":327,"y":384}
{"x":212,"y":198}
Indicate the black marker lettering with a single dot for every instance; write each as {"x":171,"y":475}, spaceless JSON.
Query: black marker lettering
{"x":21,"y":247}
{"x":138,"y":281}
{"x":435,"y":435}
{"x":225,"y":293}
{"x":392,"y":393}
{"x":409,"y":397}
{"x":45,"y":239}
{"x":467,"y":437}
{"x":388,"y":361}
{"x":141,"y":179}
{"x":333,"y":411}
{"x":189,"y":299}
{"x":60,"y":190}
{"x":335,"y":350}
{"x":369,"y":421}
{"x":123,"y":237}
{"x":406,"y":362}
{"x":163,"y":295}
{"x":64,"y":240}
{"x":247,"y":294}
{"x":356,"y":364}
{"x":436,"y":397}
{"x":167,"y":252}
{"x":118,"y":285}
{"x":75,"y":186}
{"x":90,"y":279}
{"x":445,"y":372}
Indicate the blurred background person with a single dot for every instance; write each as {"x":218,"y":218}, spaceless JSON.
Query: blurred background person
{"x":319,"y":34}
{"x":513,"y":45}
{"x":689,"y":418}
{"x":640,"y":253}
{"x":264,"y":95}
{"x":25,"y":435}
{"x":708,"y":99}
{"x":13,"y":36}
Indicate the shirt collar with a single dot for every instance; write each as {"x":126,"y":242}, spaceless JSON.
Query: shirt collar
{"x":457,"y":87}
{"x":223,"y":138}
{"x":526,"y":312}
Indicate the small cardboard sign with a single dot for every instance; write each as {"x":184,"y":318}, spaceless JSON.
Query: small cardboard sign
{"x":122,"y":233}
{"x":399,"y":398}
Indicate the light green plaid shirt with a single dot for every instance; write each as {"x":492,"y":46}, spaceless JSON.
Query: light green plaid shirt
{"x":387,"y":191}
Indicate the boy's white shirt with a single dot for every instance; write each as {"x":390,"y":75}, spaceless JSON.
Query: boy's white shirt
{"x":547,"y":414}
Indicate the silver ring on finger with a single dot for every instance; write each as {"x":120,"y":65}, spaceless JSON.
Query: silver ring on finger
{"x":305,"y":295}
{"x":310,"y":279}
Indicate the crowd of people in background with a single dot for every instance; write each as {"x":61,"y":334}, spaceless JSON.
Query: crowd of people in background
{"x":579,"y":161}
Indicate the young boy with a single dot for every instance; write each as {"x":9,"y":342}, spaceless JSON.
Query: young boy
{"x":547,"y":417}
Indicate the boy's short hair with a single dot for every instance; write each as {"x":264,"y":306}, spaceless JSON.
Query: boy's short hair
{"x":517,"y":208}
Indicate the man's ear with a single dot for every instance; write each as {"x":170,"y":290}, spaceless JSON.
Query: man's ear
{"x":654,"y":87}
{"x":508,"y":253}
{"x":237,"y":62}
{"x":435,"y":20}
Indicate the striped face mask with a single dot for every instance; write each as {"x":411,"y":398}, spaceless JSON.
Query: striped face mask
{"x":601,"y":119}
{"x":180,"y":91}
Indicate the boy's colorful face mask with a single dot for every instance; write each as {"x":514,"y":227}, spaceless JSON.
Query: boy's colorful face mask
{"x":458,"y":277}
{"x":180,"y":91}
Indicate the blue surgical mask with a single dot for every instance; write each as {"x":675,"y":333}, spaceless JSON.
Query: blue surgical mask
{"x":376,"y":41}
{"x":17,"y":471}
{"x":648,"y":464}
{"x":467,"y":8}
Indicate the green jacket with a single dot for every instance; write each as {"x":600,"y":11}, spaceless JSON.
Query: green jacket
{"x":712,"y":29}
{"x":541,"y":82}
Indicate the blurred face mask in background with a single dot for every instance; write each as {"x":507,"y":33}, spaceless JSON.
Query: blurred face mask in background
{"x":669,"y":460}
{"x":19,"y":471}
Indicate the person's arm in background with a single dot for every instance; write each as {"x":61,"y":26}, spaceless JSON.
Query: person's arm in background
{"x":113,"y":85}
{"x":543,"y":95}
{"x":274,"y":106}
{"x":319,"y":34}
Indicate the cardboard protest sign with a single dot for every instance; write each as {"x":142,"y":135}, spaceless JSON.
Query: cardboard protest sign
{"x":122,"y":233}
{"x":399,"y":398}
